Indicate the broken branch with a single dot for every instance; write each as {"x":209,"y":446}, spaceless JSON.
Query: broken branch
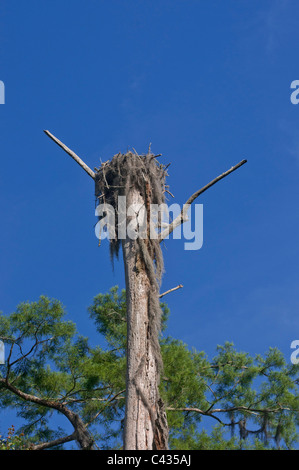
{"x":72,"y":154}
{"x":182,"y":217}
{"x":170,"y":290}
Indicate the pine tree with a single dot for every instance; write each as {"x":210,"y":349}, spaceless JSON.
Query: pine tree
{"x":232,"y":401}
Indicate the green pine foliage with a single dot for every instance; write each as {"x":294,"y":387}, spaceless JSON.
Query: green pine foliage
{"x":232,"y":401}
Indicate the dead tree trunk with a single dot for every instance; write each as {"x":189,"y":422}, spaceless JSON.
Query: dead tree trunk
{"x":145,"y":418}
{"x":141,"y":179}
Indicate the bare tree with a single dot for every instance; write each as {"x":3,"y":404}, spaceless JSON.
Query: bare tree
{"x":141,"y":181}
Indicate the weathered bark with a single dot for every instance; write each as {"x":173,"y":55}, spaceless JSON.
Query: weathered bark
{"x":145,"y":420}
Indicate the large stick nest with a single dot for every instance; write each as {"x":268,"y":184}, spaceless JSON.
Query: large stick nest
{"x":122,"y":173}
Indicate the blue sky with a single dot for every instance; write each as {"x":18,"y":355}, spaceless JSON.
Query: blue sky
{"x":208,"y":84}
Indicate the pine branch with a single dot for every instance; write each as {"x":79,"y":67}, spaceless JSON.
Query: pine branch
{"x":80,"y":432}
{"x":55,"y":442}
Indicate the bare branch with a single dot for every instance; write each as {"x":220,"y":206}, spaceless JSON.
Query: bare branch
{"x":182,"y":217}
{"x":56,"y":442}
{"x":72,"y":154}
{"x":170,"y":290}
{"x":196,"y":410}
{"x":246,"y":409}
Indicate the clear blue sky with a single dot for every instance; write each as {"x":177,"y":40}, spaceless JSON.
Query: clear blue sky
{"x":208,"y":84}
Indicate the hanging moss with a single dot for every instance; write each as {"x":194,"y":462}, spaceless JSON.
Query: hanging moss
{"x":125,"y":171}
{"x":145,"y":174}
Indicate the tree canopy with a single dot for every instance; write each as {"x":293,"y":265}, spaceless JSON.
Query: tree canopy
{"x":55,"y":380}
